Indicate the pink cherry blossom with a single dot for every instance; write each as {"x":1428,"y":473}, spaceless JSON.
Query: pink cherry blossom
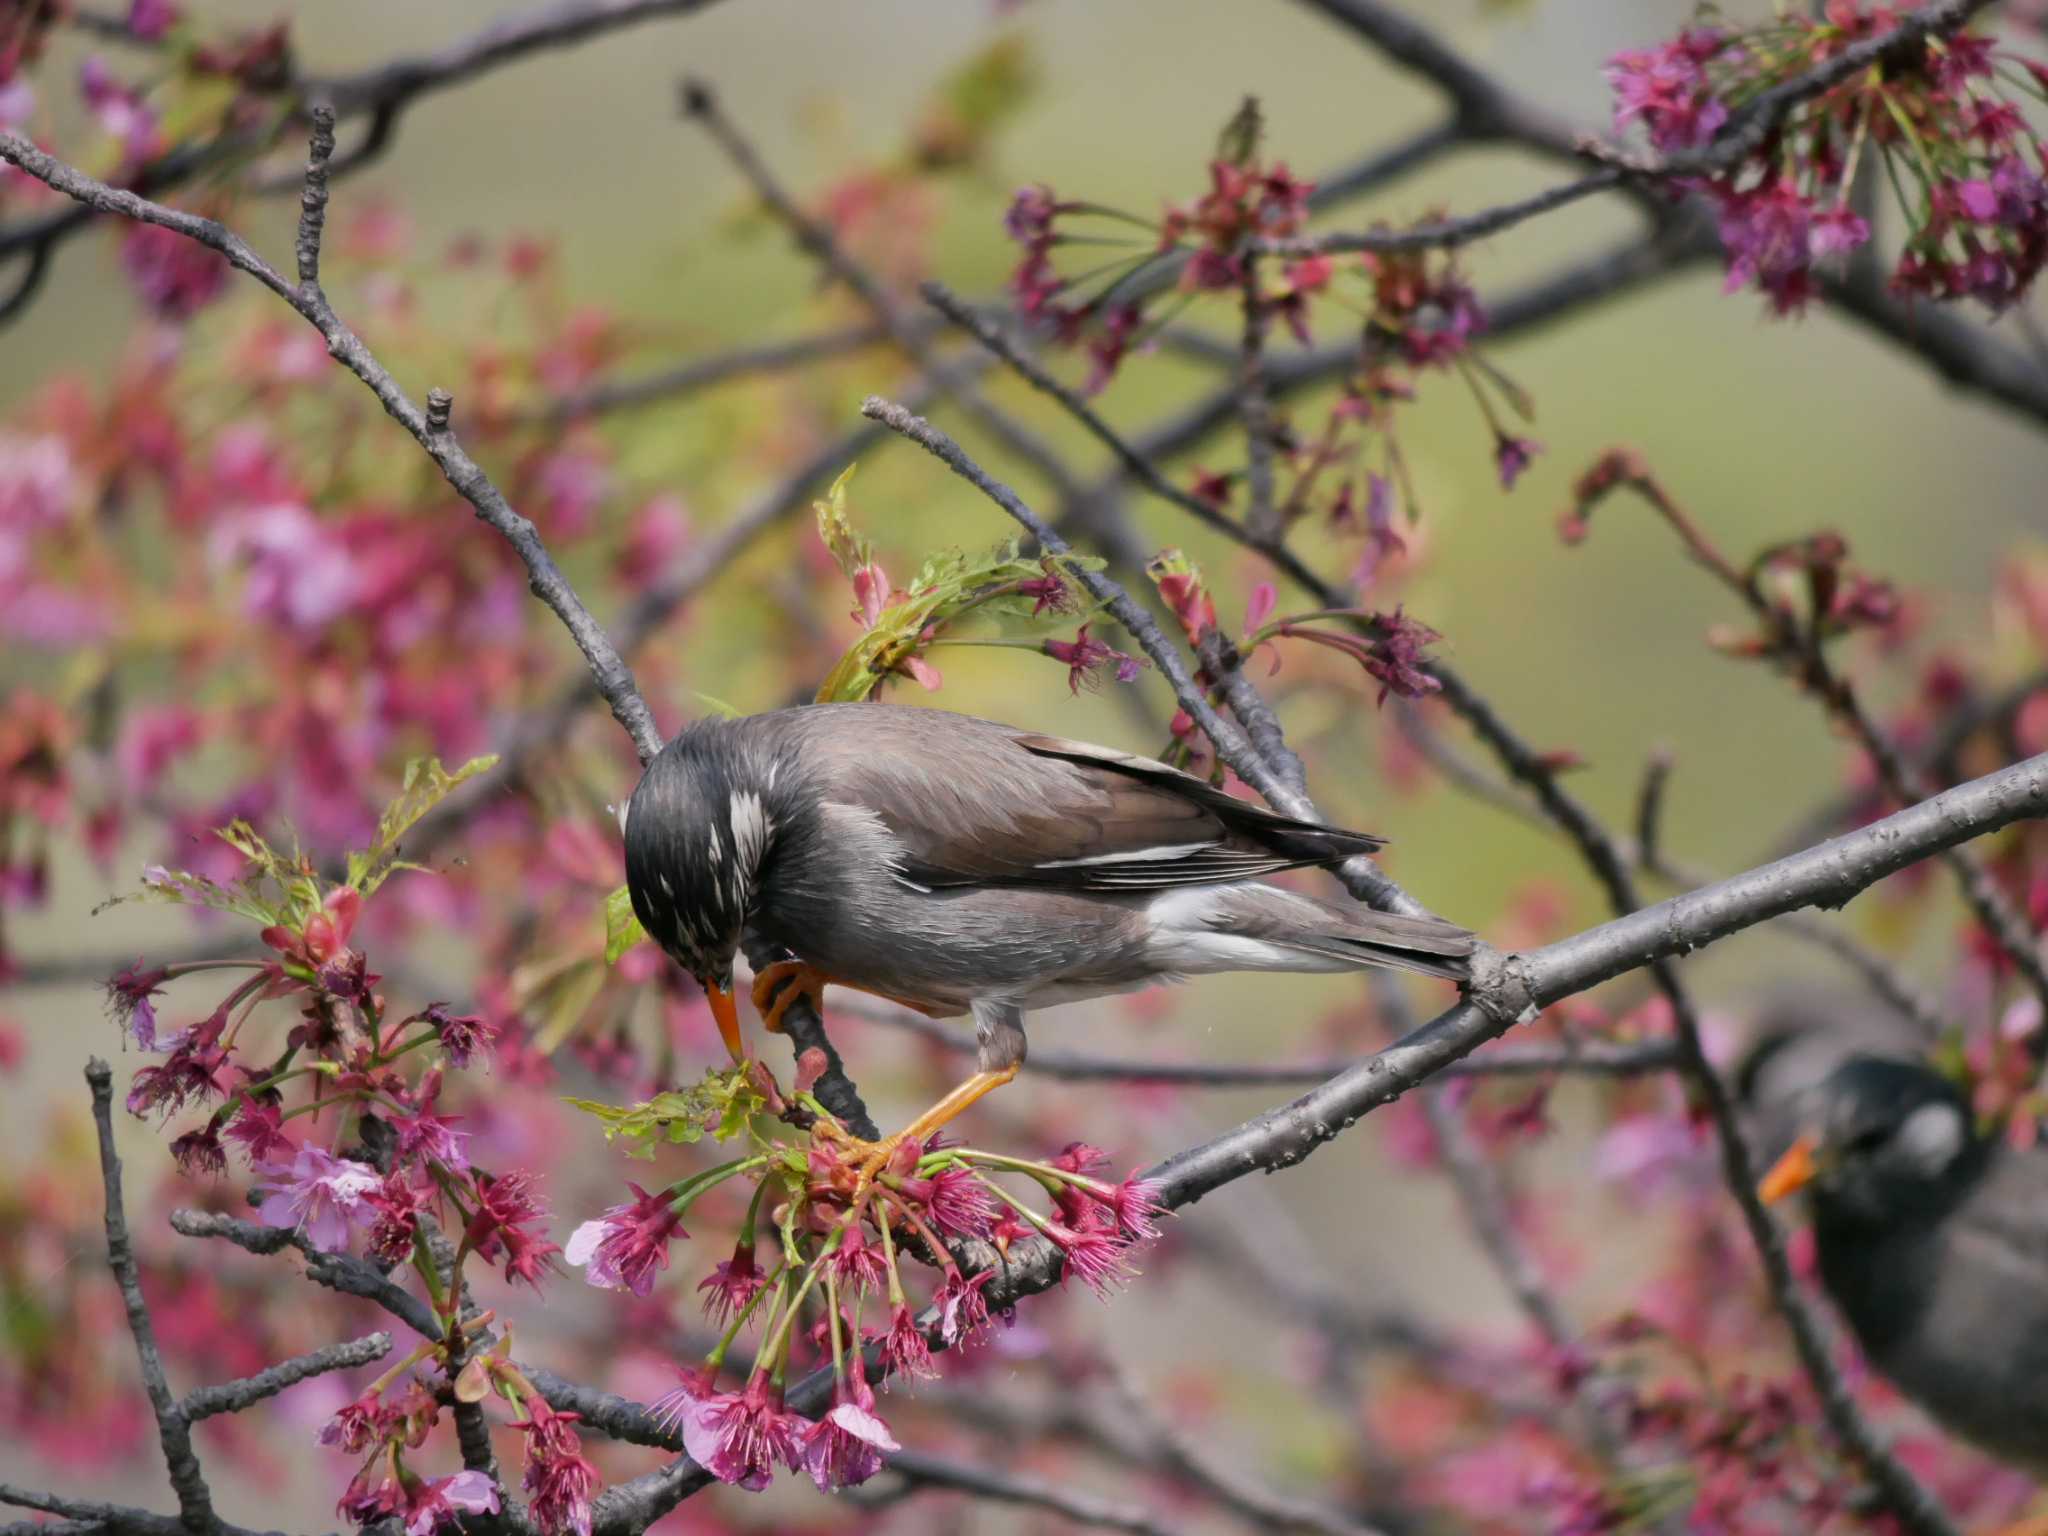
{"x":318,"y":1195}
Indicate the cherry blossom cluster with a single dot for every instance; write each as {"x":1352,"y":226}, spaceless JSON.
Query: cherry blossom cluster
{"x":143,"y":535}
{"x":197,"y":85}
{"x":1391,"y":648}
{"x":1804,"y":591}
{"x":1945,"y":129}
{"x":817,"y":1269}
{"x":345,"y":1142}
{"x":1093,"y":308}
{"x":384,"y":1422}
{"x":1420,"y":315}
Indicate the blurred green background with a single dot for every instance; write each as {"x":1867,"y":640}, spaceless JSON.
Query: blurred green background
{"x":1767,"y":429}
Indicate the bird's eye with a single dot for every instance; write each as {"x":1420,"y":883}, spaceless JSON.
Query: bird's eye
{"x":1867,"y":1140}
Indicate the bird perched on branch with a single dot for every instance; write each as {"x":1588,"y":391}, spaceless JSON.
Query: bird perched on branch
{"x":959,"y":866}
{"x":1933,"y":1240}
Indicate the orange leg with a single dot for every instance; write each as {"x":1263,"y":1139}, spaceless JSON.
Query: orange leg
{"x":2037,"y":1525}
{"x":875,"y":1154}
{"x":779,"y":985}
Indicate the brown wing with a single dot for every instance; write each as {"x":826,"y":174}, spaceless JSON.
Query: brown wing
{"x":975,"y":803}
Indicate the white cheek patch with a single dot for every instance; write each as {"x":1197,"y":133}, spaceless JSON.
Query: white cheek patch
{"x":1932,"y":1136}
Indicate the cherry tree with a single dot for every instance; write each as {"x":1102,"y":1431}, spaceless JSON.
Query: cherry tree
{"x":257,"y":636}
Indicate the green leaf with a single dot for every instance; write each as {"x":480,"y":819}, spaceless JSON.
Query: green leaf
{"x":425,"y":786}
{"x":1239,"y":141}
{"x":182,"y":888}
{"x":724,"y":1103}
{"x":989,"y":90}
{"x":622,"y":930}
{"x":716,"y":706}
{"x":678,"y":1117}
{"x":848,"y":549}
{"x":735,"y":1098}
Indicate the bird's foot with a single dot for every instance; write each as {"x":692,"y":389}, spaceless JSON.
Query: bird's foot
{"x":863,"y":1158}
{"x":871,"y":1158}
{"x":779,"y":985}
{"x":2036,"y":1525}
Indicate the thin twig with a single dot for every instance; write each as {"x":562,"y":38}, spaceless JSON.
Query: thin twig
{"x":234,"y":1396}
{"x":1268,"y":1509}
{"x":313,"y":199}
{"x":1873,"y":967}
{"x":1650,"y":807}
{"x":699,"y":373}
{"x":1224,"y":667}
{"x":188,"y":1481}
{"x":815,"y":238}
{"x":924,"y":1471}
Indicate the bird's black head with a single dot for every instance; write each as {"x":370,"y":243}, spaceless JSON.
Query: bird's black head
{"x":697,"y":830}
{"x":1884,"y":1141}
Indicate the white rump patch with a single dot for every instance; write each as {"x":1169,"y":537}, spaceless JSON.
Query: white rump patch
{"x":1191,"y":935}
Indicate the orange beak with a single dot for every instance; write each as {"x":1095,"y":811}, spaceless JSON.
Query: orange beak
{"x":1793,"y":1171}
{"x":727,"y":1012}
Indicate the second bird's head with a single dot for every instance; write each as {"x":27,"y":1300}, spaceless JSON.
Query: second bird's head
{"x":699,"y":830}
{"x":1883,"y":1141}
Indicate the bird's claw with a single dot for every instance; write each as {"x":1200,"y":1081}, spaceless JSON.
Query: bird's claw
{"x":778,"y":986}
{"x":866,"y":1158}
